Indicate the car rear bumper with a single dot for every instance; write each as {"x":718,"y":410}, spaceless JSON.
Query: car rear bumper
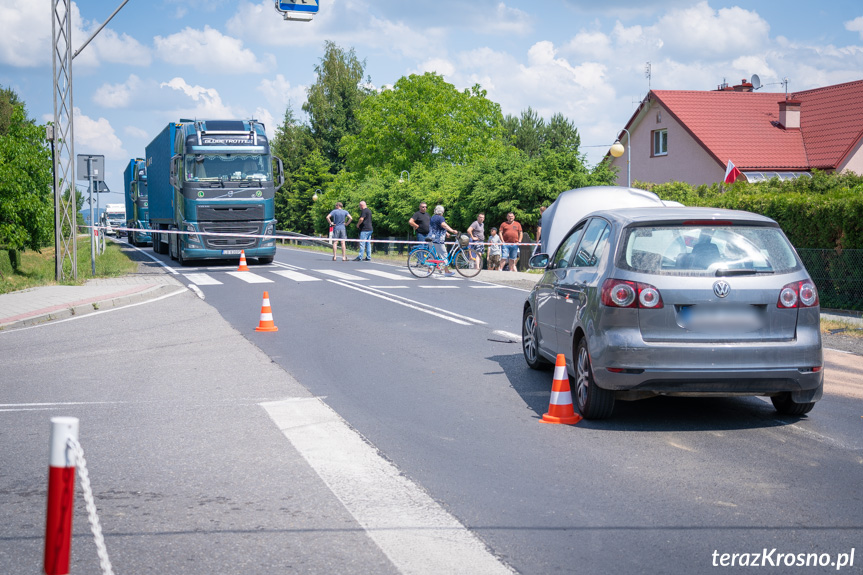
{"x":746,"y":368}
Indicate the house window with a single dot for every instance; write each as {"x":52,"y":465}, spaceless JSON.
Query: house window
{"x":660,"y":143}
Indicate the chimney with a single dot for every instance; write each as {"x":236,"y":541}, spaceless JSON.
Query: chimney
{"x":789,"y":114}
{"x":743,"y":86}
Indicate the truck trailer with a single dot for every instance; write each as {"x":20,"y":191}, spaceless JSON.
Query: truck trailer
{"x":137,"y":204}
{"x":208,"y":180}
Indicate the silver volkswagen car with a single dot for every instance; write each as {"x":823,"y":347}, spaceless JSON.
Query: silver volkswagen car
{"x":677,"y":301}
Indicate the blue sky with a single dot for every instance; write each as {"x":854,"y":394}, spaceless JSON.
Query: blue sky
{"x":158,"y":60}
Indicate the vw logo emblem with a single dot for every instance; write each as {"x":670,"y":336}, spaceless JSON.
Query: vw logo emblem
{"x":721,"y":288}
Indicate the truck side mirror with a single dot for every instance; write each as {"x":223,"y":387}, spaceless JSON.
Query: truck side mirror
{"x":175,"y":170}
{"x":280,"y":172}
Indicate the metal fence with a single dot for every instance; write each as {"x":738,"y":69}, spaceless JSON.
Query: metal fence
{"x":837,"y":275}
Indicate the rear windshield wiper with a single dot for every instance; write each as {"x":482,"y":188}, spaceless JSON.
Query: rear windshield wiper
{"x":741,"y":272}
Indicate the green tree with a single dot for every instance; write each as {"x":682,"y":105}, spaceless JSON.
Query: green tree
{"x":561,"y":135}
{"x":292,"y":144}
{"x":294,"y":205}
{"x":26,"y":214}
{"x":528,"y":132}
{"x":333,"y":100}
{"x":423,"y":120}
{"x":8,"y":101}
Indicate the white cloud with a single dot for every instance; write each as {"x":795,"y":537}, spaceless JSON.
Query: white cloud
{"x":279,"y":93}
{"x":701,"y":31}
{"x":441,"y":66}
{"x":263,"y":115}
{"x":206,"y":102}
{"x":506,"y":20}
{"x":117,"y":95}
{"x":208,"y":50}
{"x":855,"y":25}
{"x":98,"y":137}
{"x":25,"y":33}
{"x":122,"y":49}
{"x":135,"y":132}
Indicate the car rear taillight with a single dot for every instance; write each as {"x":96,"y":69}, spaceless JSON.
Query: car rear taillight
{"x":798,"y":294}
{"x":622,"y":293}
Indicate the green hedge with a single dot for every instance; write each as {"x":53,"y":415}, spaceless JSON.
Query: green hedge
{"x":821,"y":212}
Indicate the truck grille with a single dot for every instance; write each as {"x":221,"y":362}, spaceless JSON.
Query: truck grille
{"x":230,"y":213}
{"x":222,"y":242}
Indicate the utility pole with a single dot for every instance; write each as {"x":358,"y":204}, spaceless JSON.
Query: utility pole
{"x":65,"y":212}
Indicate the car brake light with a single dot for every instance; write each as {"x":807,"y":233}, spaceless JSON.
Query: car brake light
{"x":622,"y":293}
{"x":798,"y":294}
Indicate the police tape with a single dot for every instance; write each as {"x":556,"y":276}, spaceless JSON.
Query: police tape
{"x":294,"y":236}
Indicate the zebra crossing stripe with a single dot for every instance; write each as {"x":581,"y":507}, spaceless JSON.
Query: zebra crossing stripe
{"x":341,"y":275}
{"x":202,"y":279}
{"x":296,"y":276}
{"x":250,"y":277}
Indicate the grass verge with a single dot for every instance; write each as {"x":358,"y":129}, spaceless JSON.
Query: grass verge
{"x":39,"y":269}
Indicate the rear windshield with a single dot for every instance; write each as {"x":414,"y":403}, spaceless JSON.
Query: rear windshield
{"x":706,"y":250}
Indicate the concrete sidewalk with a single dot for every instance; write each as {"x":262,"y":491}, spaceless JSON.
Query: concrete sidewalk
{"x":47,"y":303}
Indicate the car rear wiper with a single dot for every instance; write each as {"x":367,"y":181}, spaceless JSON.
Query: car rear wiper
{"x":741,"y":272}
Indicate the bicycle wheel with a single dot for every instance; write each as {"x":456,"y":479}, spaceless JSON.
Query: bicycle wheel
{"x":468,"y":262}
{"x":417,"y":264}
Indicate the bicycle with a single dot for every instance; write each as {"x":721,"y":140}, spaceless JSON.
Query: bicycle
{"x":424,"y":260}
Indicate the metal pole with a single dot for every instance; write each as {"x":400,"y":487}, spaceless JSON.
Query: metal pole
{"x":105,"y":23}
{"x":628,"y":158}
{"x":92,"y":221}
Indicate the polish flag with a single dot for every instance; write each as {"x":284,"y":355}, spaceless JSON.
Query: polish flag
{"x":731,"y":173}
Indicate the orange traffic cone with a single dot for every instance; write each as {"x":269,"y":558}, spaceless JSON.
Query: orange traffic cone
{"x":560,"y":408}
{"x":243,"y":267}
{"x":266,"y":323}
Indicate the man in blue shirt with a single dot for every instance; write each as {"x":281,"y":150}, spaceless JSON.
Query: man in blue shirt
{"x":339,"y":219}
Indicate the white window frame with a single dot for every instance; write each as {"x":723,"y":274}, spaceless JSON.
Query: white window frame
{"x":659,"y":140}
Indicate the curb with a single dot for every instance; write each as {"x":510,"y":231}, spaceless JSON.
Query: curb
{"x":91,"y":305}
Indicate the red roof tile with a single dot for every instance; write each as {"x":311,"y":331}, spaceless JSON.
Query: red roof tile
{"x":744,"y":126}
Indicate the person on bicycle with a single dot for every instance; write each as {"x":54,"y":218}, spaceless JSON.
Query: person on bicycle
{"x":438,"y":229}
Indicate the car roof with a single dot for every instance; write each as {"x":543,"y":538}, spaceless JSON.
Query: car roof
{"x":643,"y":215}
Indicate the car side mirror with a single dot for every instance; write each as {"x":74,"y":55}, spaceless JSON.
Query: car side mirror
{"x":538,"y":261}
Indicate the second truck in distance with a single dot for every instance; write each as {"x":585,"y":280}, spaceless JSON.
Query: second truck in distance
{"x":207,"y":181}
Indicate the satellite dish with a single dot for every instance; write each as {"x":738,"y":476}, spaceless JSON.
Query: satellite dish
{"x":755,"y":81}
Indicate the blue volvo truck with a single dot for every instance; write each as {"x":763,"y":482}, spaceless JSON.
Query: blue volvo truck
{"x":210,"y":179}
{"x":137,"y":203}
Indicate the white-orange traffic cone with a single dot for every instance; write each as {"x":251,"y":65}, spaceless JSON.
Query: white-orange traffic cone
{"x":560,"y":408}
{"x":266,"y":323}
{"x":243,"y":267}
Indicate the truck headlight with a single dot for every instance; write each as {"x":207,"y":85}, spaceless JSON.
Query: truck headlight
{"x":268,"y":231}
{"x":192,"y":240}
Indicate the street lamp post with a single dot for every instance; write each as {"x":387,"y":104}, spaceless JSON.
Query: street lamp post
{"x":401,"y":176}
{"x":617,"y":150}
{"x":315,"y":195}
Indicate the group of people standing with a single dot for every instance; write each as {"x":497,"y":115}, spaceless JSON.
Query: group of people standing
{"x":339,"y":220}
{"x":502,"y":251}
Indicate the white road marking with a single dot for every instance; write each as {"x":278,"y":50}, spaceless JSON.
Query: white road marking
{"x":250,"y":278}
{"x":392,"y":298}
{"x":487,"y":287}
{"x":386,"y":275}
{"x":202,"y":279}
{"x":439,"y":287}
{"x":390,"y":287}
{"x":288,"y":266}
{"x":341,"y":275}
{"x":297,"y":276}
{"x":414,"y":532}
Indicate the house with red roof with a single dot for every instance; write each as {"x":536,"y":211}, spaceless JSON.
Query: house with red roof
{"x":690,"y":136}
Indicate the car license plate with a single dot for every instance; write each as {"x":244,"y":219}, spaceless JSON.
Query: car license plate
{"x":231,"y":252}
{"x":721,"y":318}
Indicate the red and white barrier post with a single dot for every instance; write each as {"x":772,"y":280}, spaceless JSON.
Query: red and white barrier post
{"x":61,"y":491}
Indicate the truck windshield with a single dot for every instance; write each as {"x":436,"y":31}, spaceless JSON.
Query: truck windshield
{"x":228,"y":167}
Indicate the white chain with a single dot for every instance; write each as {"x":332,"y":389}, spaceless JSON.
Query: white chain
{"x":95,"y":527}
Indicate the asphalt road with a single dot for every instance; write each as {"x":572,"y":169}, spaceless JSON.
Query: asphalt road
{"x":427,"y":373}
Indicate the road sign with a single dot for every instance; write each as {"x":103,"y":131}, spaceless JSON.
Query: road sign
{"x":302,"y":10}
{"x":95,"y":167}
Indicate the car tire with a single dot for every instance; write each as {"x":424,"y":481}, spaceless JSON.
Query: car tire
{"x":786,"y":406}
{"x":530,"y":341}
{"x":593,"y":401}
